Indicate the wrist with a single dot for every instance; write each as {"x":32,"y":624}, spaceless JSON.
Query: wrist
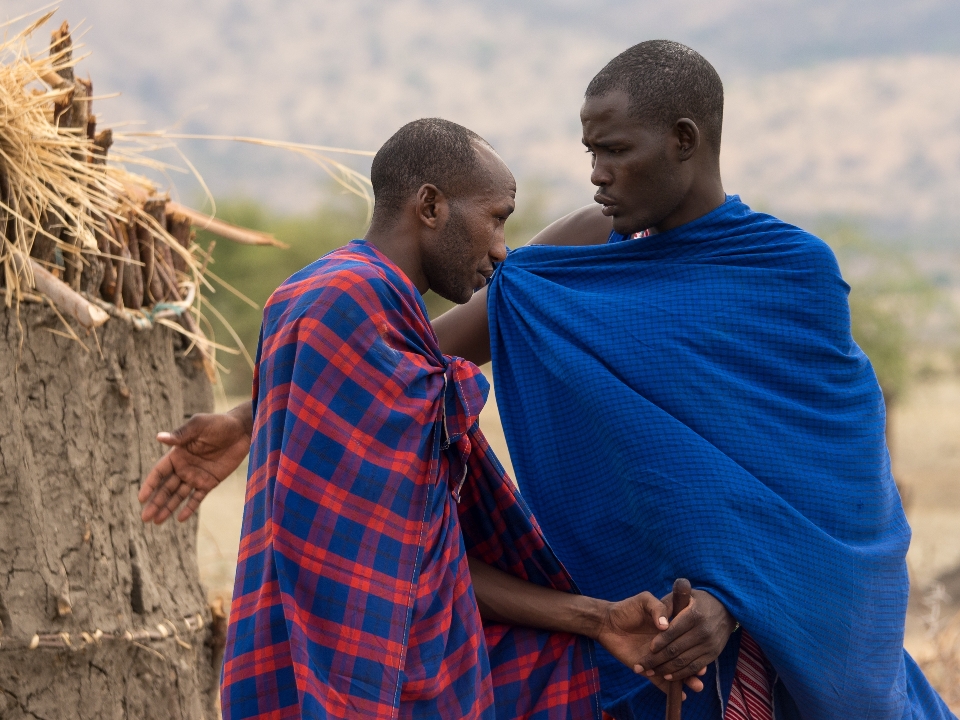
{"x":243,"y":414}
{"x":729,"y":623}
{"x":592,"y":615}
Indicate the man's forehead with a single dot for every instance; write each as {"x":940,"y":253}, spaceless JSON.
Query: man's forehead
{"x":611,"y":112}
{"x":609,"y":104}
{"x":499,"y":178}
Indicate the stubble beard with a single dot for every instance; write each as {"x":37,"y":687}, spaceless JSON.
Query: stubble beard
{"x":448,"y":268}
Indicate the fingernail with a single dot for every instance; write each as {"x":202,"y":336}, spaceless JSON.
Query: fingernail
{"x":664,"y":622}
{"x":668,"y":677}
{"x":638,"y":668}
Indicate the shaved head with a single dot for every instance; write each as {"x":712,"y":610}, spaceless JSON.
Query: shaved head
{"x":441,"y":198}
{"x":666,"y":81}
{"x":426,"y":151}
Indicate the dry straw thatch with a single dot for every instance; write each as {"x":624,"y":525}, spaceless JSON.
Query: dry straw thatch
{"x":88,"y":235}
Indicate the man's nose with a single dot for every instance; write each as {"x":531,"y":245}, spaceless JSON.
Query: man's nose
{"x":600,"y":175}
{"x":498,"y":250}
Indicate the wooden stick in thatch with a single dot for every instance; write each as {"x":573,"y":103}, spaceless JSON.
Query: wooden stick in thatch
{"x":112,"y":287}
{"x":101,"y":144}
{"x":152,"y":290}
{"x":181,"y":229}
{"x":225,"y":230}
{"x":165,"y":262}
{"x":70,"y":111}
{"x":4,"y":199}
{"x":44,"y":246}
{"x":108,"y":282}
{"x":67,"y":301}
{"x":132,"y":276}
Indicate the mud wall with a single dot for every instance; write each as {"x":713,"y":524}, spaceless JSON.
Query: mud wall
{"x":103,"y":616}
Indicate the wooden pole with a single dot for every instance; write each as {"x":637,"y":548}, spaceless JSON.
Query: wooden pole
{"x":225,"y":230}
{"x":69,"y":302}
{"x":681,"y":598}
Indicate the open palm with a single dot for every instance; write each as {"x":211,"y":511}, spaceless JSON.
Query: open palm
{"x":205,"y":450}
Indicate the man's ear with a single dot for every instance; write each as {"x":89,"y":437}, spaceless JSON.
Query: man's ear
{"x":432,"y":206}
{"x":688,"y":138}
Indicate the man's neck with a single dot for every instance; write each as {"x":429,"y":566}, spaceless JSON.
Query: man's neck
{"x":400,"y":246}
{"x":706,"y":194}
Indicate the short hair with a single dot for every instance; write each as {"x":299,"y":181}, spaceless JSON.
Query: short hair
{"x":429,"y":150}
{"x":666,"y":81}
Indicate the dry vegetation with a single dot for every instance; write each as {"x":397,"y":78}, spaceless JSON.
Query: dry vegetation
{"x":925,"y":442}
{"x":83,"y":232}
{"x":942,"y":663}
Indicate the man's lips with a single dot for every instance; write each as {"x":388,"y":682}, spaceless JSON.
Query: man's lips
{"x":609,"y":204}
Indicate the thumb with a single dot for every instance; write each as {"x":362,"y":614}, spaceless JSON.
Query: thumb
{"x":659,"y":613}
{"x":667,"y":603}
{"x":181,"y":436}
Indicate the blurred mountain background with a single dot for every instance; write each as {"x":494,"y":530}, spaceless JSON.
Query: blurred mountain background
{"x":834,"y":107}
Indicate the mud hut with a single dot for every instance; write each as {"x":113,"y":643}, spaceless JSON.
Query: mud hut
{"x":101,"y":346}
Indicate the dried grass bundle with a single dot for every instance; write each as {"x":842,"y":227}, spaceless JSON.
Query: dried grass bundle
{"x":49,"y":189}
{"x":89,"y":235}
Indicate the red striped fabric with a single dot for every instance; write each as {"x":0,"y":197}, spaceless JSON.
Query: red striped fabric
{"x":751,"y":697}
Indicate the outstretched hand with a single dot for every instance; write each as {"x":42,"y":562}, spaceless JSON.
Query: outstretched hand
{"x":205,"y":450}
{"x":631,"y":626}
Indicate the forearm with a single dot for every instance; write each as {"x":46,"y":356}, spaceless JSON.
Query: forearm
{"x":244,"y":414}
{"x":507,"y":599}
{"x":463,"y":331}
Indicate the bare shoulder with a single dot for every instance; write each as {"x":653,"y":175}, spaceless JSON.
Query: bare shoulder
{"x":586,"y":226}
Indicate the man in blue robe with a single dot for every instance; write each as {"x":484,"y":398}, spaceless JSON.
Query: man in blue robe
{"x":684,"y":398}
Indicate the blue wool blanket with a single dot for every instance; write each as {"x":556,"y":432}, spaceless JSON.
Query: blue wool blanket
{"x":692,"y":404}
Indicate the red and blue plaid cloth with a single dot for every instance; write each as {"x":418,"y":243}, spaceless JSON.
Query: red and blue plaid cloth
{"x":353,"y":596}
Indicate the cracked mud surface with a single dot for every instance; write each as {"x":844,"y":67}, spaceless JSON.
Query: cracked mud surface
{"x":76,"y":438}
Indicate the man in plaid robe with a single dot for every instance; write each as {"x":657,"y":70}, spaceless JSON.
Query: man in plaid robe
{"x":370,"y":483}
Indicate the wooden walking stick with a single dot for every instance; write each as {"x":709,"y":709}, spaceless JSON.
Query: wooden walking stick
{"x":681,"y":598}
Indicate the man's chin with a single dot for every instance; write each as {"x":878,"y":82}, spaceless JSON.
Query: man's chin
{"x":627,"y":226}
{"x":460,"y":297}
